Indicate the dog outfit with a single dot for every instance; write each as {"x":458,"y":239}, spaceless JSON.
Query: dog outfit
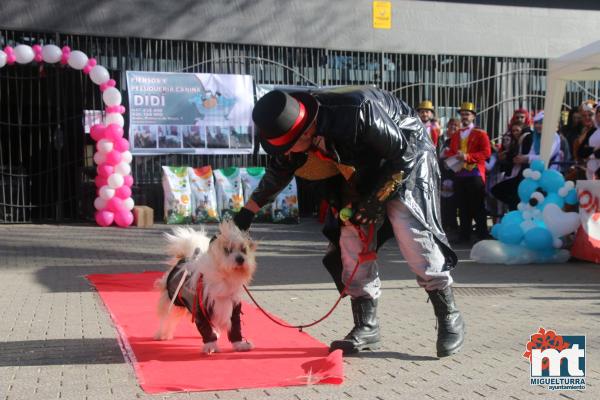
{"x":191,"y":297}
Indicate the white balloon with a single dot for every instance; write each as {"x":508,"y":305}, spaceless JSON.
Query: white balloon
{"x":3,"y":58}
{"x":51,"y":53}
{"x":77,"y":59}
{"x":111,"y":97}
{"x":123,"y":168}
{"x":99,"y":203}
{"x":104,"y":146}
{"x":558,"y":222}
{"x":99,"y":158}
{"x":115,"y":180}
{"x":569,"y":185}
{"x":528,"y":225}
{"x":106,"y":192}
{"x":128,"y":203}
{"x":24,"y":54}
{"x":126,"y":156}
{"x":495,"y":252}
{"x":99,"y":75}
{"x":114,"y":118}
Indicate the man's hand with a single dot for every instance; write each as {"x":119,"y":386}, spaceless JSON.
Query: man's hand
{"x":243,"y":219}
{"x":460,"y":156}
{"x":367,"y":212}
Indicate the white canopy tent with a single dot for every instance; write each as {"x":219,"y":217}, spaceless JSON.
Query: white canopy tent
{"x":580,"y":65}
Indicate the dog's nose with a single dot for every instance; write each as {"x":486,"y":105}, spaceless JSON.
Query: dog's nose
{"x":239,"y":260}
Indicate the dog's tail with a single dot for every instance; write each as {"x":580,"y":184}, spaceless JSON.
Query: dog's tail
{"x":183,"y":243}
{"x":186,"y":243}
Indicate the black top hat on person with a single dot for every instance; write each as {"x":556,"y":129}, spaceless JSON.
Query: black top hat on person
{"x":281,"y":119}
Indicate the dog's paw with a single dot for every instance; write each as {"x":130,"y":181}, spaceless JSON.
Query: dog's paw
{"x":162,"y":336}
{"x":210,"y":347}
{"x":242,"y":346}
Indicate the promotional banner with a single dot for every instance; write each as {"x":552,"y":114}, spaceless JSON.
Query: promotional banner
{"x":190,"y":113}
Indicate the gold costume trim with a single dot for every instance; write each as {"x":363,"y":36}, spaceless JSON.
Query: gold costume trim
{"x":390,"y":187}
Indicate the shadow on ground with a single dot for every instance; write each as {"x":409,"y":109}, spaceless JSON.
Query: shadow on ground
{"x":60,"y":352}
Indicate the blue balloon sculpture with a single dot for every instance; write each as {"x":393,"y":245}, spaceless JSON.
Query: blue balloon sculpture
{"x":533,"y":233}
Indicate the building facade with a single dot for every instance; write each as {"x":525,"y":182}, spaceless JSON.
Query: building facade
{"x":446,"y":51}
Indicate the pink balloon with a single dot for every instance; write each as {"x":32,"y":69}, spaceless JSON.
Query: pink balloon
{"x":128,"y":180}
{"x":115,"y":205}
{"x":105,"y":170}
{"x":97,"y":132}
{"x":123,"y":192}
{"x":100,"y":181}
{"x":121,"y":144}
{"x":104,"y":217}
{"x":114,"y":132}
{"x":113,"y":157}
{"x":124,"y":218}
{"x":37,"y":49}
{"x":116,"y":109}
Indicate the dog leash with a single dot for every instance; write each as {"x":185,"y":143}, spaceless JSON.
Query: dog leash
{"x":177,"y":291}
{"x":364,"y":256}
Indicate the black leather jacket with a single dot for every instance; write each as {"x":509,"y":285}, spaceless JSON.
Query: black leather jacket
{"x":380,"y":136}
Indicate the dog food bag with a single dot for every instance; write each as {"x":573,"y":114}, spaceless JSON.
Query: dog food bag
{"x":204,"y":196}
{"x":176,"y":186}
{"x":230,"y":198}
{"x":251,"y":176}
{"x":285,"y":207}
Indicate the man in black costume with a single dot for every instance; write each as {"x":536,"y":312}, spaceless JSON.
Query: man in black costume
{"x":379,"y":168}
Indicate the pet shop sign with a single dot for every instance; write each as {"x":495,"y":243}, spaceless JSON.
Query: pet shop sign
{"x":190,"y":113}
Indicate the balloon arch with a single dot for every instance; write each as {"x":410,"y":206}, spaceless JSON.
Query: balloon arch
{"x":113,"y":158}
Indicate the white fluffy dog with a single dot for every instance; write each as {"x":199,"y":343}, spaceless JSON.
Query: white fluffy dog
{"x":206,"y":279}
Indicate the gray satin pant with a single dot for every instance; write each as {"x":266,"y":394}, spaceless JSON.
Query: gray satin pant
{"x":417,"y":245}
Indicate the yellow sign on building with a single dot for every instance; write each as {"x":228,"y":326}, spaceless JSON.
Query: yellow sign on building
{"x":382,"y":14}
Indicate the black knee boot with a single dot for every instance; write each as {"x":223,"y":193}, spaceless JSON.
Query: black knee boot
{"x":451,"y":327}
{"x":365,"y":334}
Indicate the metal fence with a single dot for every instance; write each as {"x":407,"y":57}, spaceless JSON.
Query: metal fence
{"x":46,"y":172}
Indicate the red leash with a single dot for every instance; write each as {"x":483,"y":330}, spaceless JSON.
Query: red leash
{"x":364,"y":256}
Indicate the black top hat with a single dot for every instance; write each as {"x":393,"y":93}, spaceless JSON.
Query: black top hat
{"x":281,"y":119}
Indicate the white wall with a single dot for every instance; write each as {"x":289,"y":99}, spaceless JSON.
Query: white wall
{"x":418,"y":26}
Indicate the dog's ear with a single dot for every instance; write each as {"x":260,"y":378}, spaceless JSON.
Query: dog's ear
{"x":252,"y":244}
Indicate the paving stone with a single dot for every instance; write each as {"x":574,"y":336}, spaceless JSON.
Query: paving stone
{"x":57,"y":340}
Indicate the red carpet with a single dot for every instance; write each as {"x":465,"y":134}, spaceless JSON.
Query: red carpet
{"x":282,"y":356}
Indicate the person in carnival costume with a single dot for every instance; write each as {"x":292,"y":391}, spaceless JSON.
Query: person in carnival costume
{"x":380,"y":170}
{"x":427,"y":115}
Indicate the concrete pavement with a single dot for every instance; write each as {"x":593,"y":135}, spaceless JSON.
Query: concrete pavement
{"x":57,"y":340}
